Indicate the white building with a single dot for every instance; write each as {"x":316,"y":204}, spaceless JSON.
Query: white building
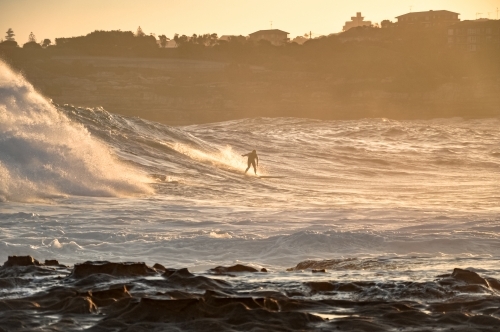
{"x":356,"y":21}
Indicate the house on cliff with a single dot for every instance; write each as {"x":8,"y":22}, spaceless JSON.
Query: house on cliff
{"x":356,"y":21}
{"x":275,"y":36}
{"x":475,"y":36}
{"x":431,"y":18}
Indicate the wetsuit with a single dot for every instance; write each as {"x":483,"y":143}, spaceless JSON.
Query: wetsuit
{"x":252,"y":157}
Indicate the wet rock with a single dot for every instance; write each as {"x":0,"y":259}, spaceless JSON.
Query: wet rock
{"x":21,"y":261}
{"x":115,"y":269}
{"x":159,"y":267}
{"x":232,"y":269}
{"x":51,"y":262}
{"x":109,"y":296}
{"x":471,"y":289}
{"x":275,"y":295}
{"x":455,"y":318}
{"x":469,"y":277}
{"x":356,"y":324}
{"x":231,"y":313}
{"x":155,"y":310}
{"x":31,"y":271}
{"x":94,"y":279}
{"x":114,"y":293}
{"x":183,"y":278}
{"x":263,"y":269}
{"x":183,"y":301}
{"x":407,"y":318}
{"x":348,"y":287}
{"x":13,"y":282}
{"x":178,"y":295}
{"x":182,"y":273}
{"x":78,"y":305}
{"x":484,"y":320}
{"x":494,"y":283}
{"x":168,"y":272}
{"x":217,"y":298}
{"x":336,"y":264}
{"x":321,"y":286}
{"x":319,"y":271}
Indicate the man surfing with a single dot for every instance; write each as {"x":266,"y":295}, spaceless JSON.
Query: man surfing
{"x":252,"y":156}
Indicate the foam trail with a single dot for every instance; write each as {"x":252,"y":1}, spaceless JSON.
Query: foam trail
{"x":224,"y":158}
{"x":43,"y":154}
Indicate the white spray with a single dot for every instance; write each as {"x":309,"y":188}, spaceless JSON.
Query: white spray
{"x":43,"y":154}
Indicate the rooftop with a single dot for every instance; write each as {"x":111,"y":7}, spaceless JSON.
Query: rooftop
{"x":429,"y":11}
{"x":270,"y":31}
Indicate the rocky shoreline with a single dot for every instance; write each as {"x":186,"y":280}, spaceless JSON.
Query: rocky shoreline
{"x":109,"y":296}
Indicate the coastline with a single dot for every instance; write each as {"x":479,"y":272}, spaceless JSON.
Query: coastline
{"x":106,"y":296}
{"x":177,"y":91}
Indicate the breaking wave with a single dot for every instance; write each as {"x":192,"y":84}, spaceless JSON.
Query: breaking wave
{"x":43,"y":154}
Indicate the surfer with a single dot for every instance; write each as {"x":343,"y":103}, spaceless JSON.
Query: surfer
{"x":252,"y":156}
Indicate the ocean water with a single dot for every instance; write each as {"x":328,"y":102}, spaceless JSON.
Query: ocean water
{"x":384,"y":199}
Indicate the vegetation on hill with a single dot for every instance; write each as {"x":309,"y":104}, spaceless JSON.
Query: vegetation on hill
{"x":362,"y":72}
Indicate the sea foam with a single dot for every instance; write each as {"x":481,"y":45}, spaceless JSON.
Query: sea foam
{"x":43,"y":154}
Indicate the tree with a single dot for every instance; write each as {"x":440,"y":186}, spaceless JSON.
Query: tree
{"x":10,"y":35}
{"x":46,"y":42}
{"x":32,"y":38}
{"x":179,"y":40}
{"x":8,"y":43}
{"x":32,"y":45}
{"x":139,"y":32}
{"x":163,"y":40}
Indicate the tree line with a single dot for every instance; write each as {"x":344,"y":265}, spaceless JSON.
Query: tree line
{"x":409,"y":55}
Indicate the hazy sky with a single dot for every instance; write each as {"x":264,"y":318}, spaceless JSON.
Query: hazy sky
{"x":66,"y":18}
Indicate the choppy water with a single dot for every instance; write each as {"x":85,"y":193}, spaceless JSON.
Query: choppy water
{"x":409,"y":199}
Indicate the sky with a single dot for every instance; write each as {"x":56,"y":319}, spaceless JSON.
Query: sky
{"x":68,"y":18}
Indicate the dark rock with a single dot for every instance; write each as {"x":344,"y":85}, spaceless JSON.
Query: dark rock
{"x":94,"y":279}
{"x":75,"y":305}
{"x":494,"y":283}
{"x":474,"y":288}
{"x":182,"y":273}
{"x":159,"y":267}
{"x":235,"y":313}
{"x":321,"y":286}
{"x":178,"y":295}
{"x":114,"y":293}
{"x":263,"y":269}
{"x":319,"y":271}
{"x":168,"y":272}
{"x":324,"y":264}
{"x":348,"y":287}
{"x":13,"y":282}
{"x":469,"y":277}
{"x":109,"y":296}
{"x":360,"y":325}
{"x":51,"y":262}
{"x":453,"y":318}
{"x":21,"y":261}
{"x":484,"y":320}
{"x":114,"y":269}
{"x":232,"y":269}
{"x":183,"y":278}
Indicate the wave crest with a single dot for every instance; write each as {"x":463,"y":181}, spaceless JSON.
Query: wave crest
{"x":44,"y":154}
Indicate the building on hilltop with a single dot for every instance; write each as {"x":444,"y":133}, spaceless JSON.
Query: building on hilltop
{"x":431,"y":18}
{"x":356,"y":21}
{"x":275,"y":36}
{"x":475,"y":36}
